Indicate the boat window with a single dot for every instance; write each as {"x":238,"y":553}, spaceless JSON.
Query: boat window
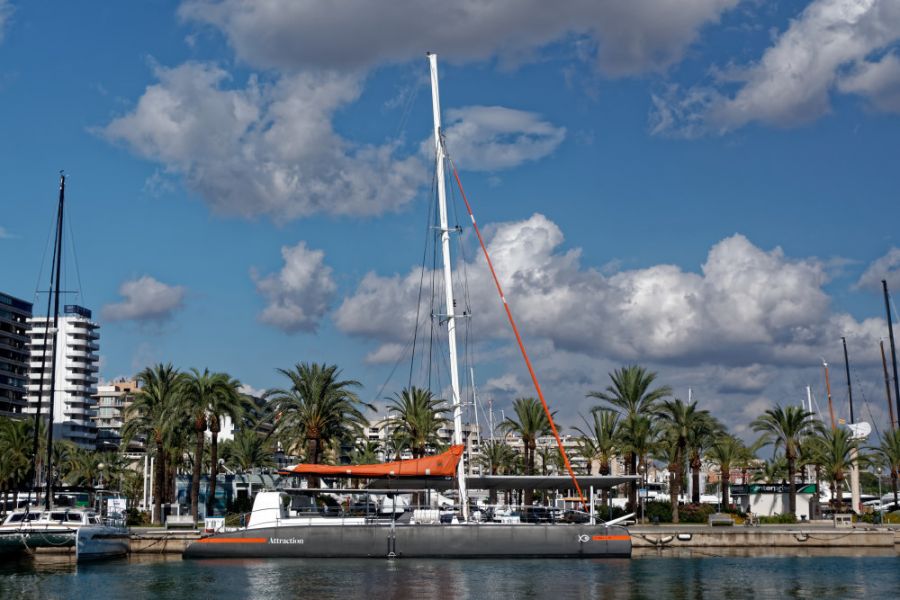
{"x":33,"y":516}
{"x":73,"y":517}
{"x":57,"y":516}
{"x":93,"y":520}
{"x":16,"y":518}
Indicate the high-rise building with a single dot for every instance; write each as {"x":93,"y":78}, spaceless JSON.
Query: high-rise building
{"x":74,"y":403}
{"x":14,"y":315}
{"x":112,"y":402}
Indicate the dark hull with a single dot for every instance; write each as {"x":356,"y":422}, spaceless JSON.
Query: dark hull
{"x":417,"y":541}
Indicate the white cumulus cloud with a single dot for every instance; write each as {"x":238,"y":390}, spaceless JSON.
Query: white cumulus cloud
{"x":489,"y":138}
{"x":886,"y":267}
{"x":299,"y":295}
{"x":145,"y":300}
{"x":747,"y":306}
{"x":626,"y":37}
{"x":827,"y":48}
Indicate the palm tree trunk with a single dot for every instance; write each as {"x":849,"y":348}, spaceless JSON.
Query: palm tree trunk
{"x":839,"y":493}
{"x":631,"y":467}
{"x":695,"y":477}
{"x":213,"y":472}
{"x":792,"y":489}
{"x":894,"y":485}
{"x":197,"y":467}
{"x":673,"y":492}
{"x":726,"y":478}
{"x":160,"y":476}
{"x":528,"y":494}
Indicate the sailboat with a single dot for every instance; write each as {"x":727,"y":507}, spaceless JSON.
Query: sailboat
{"x":285,"y":523}
{"x":29,"y":528}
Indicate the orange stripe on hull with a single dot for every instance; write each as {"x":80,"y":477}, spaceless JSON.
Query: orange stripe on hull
{"x":214,"y":540}
{"x":610,"y":538}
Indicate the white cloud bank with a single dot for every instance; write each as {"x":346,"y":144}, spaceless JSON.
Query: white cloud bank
{"x":298,"y":295}
{"x":747,"y":306}
{"x":627,"y":37}
{"x":832,"y":46}
{"x":145,"y":300}
{"x":887,"y":268}
{"x":271,"y":149}
{"x":6,"y":11}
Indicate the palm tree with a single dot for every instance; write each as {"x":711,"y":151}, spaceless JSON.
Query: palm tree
{"x":150,"y":417}
{"x":785,"y":428}
{"x":631,"y":395}
{"x":246,"y":451}
{"x":703,"y":432}
{"x":682,"y":422}
{"x":889,"y":454}
{"x":670,"y":453}
{"x":530,"y":423}
{"x":201,"y":394}
{"x":228,"y":401}
{"x":836,"y":451}
{"x":496,"y":458}
{"x":318,"y":407}
{"x":365,"y":452}
{"x":418,"y":417}
{"x":725,"y":451}
{"x":772,"y":470}
{"x":16,"y":461}
{"x":84,"y":470}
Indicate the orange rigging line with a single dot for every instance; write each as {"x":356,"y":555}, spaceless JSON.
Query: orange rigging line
{"x":512,"y":322}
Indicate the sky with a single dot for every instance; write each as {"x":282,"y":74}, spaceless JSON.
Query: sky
{"x":707,"y":188}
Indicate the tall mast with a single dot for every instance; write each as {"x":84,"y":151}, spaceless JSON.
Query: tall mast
{"x":887,"y":384}
{"x":48,"y":499}
{"x":828,"y":391}
{"x":439,"y":156}
{"x":887,"y":307}
{"x":849,"y":386}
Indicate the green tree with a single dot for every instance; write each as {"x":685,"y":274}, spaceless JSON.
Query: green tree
{"x":703,"y":432}
{"x":836,"y":451}
{"x":16,"y":461}
{"x":227,"y":402}
{"x":785,"y":428}
{"x":888,"y":454}
{"x":150,"y":417}
{"x":418,"y":416}
{"x":670,"y":453}
{"x":682,"y":422}
{"x":318,"y":408}
{"x":496,"y":457}
{"x":529,"y":424}
{"x":726,"y":452}
{"x":204,"y":395}
{"x":246,"y":451}
{"x":630,"y":393}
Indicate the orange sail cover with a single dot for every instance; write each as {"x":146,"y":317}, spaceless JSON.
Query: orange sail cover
{"x":439,"y":465}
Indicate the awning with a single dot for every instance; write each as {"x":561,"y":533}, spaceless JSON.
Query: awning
{"x":439,"y":465}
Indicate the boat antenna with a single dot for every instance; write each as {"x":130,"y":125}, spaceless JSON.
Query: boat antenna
{"x":456,"y":401}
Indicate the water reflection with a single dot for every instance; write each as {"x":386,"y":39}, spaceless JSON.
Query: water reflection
{"x":685,"y":574}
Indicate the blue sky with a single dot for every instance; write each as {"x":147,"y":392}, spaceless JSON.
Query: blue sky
{"x":706,"y":187}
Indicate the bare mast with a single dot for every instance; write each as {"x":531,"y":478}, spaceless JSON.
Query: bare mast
{"x":448,"y":281}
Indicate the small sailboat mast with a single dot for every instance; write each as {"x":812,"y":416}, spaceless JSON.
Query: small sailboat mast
{"x":456,"y":403}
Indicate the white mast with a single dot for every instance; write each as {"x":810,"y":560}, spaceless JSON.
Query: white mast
{"x":448,"y":282}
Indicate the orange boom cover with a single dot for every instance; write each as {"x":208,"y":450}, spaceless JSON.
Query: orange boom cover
{"x":439,"y":465}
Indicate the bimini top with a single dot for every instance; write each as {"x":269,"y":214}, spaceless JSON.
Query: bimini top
{"x":439,"y":465}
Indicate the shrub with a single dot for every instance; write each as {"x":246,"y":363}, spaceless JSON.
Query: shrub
{"x":778,"y":519}
{"x":658,"y":512}
{"x":136,"y":518}
{"x":695,"y":513}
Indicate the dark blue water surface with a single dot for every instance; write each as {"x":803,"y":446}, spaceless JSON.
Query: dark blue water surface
{"x":646,"y":577}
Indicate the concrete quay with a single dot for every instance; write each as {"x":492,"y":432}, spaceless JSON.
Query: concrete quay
{"x":806,"y":535}
{"x":644,"y":538}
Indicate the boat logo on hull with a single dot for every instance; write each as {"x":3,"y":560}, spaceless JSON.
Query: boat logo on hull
{"x":285,"y":540}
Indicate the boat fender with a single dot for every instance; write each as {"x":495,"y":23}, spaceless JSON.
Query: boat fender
{"x":685,"y":537}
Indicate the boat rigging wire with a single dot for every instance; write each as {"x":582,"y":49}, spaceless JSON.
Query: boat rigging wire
{"x":515,"y":329}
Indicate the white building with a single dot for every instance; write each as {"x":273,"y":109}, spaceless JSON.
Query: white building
{"x":381,"y":430}
{"x":112,"y":401}
{"x":76,"y":373}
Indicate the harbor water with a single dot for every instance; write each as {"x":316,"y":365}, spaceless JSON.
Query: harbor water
{"x":694,"y":576}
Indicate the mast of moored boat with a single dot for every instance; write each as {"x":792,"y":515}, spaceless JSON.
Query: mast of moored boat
{"x":887,"y":385}
{"x":54,"y":335}
{"x":456,"y":402}
{"x":887,"y":308}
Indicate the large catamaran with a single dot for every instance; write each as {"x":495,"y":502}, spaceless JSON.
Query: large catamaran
{"x":286,"y":523}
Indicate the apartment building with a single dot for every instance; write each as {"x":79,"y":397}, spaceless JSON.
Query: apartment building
{"x":75,"y":353}
{"x":14,"y":315}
